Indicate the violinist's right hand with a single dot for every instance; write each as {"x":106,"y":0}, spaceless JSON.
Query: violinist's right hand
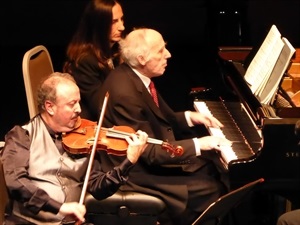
{"x":73,"y":208}
{"x":136,"y":145}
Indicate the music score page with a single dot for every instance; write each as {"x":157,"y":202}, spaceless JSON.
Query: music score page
{"x":268,"y":66}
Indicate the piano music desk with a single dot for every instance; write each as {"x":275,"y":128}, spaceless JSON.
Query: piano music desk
{"x":233,"y":53}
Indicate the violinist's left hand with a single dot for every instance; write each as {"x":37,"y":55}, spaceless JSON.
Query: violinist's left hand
{"x":207,"y":120}
{"x":136,"y":145}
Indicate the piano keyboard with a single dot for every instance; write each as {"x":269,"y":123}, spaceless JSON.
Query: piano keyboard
{"x":240,"y":149}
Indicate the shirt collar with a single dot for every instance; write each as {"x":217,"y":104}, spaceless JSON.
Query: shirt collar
{"x":145,"y":80}
{"x":51,"y":132}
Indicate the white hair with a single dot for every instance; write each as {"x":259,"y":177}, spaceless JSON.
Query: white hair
{"x":137,"y":43}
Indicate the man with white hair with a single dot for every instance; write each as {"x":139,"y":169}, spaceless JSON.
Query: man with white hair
{"x":187,"y":183}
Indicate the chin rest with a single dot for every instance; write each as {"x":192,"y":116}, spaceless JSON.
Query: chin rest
{"x":126,"y":208}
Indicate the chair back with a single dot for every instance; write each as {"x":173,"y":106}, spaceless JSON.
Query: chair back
{"x":3,"y":190}
{"x":36,"y":64}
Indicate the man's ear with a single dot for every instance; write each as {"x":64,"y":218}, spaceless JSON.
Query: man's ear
{"x":49,"y":107}
{"x":141,"y":60}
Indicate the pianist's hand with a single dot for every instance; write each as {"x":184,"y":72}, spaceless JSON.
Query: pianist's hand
{"x":212,"y":142}
{"x":207,"y":120}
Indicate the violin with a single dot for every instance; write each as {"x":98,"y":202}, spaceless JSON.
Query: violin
{"x":81,"y":139}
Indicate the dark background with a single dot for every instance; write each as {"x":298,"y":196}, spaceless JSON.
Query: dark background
{"x":193,"y":30}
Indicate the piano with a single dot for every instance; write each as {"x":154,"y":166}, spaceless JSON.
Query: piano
{"x":265,"y":138}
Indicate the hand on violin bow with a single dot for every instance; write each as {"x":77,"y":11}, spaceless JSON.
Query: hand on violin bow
{"x":73,"y":209}
{"x":207,"y":120}
{"x":136,"y":145}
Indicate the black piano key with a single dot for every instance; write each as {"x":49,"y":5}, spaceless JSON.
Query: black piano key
{"x":238,"y":127}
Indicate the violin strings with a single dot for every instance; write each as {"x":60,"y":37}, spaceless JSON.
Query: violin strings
{"x":122,"y":134}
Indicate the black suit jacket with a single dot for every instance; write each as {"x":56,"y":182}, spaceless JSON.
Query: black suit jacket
{"x":131,"y":104}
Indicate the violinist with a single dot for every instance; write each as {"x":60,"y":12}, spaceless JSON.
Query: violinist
{"x":44,"y":180}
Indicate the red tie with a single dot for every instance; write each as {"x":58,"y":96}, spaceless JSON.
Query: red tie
{"x":153,"y":92}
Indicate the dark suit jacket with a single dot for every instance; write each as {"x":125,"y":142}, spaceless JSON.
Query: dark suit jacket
{"x":130,"y":104}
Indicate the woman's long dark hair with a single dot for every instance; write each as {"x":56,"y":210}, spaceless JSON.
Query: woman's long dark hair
{"x":93,"y":34}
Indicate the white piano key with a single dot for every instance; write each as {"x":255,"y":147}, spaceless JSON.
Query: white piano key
{"x":216,"y":132}
{"x":227,"y":152}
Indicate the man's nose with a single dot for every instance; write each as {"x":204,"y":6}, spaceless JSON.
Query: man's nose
{"x":78,"y":108}
{"x":168,"y":54}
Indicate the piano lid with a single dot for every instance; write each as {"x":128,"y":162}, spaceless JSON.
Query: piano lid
{"x":233,"y":73}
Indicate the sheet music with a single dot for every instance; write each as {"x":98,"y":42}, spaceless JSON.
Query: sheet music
{"x":262,"y":64}
{"x":267,"y":94}
{"x":268,"y":66}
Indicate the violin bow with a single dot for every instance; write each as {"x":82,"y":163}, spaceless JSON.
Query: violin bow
{"x":70,"y":219}
{"x":93,"y":151}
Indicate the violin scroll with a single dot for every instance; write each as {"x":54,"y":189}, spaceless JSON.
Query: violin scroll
{"x":174,"y":150}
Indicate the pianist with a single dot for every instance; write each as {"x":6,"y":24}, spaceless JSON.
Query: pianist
{"x":187,"y":183}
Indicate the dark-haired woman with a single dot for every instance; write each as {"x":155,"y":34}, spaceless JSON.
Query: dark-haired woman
{"x":93,"y":51}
